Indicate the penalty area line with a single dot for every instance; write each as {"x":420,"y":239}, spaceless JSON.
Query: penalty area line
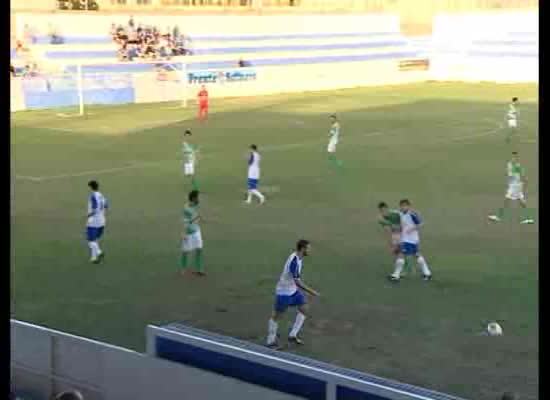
{"x":91,"y":172}
{"x":28,"y":178}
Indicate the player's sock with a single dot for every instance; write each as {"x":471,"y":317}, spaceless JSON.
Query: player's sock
{"x":93,"y":249}
{"x":198,"y":260}
{"x":424,"y":266}
{"x":249,"y":196}
{"x":260,"y":196}
{"x":272,"y":327}
{"x":399,"y":264}
{"x":300,"y":318}
{"x":183,"y":260}
{"x":194,"y":183}
{"x":509,"y":135}
{"x":407,"y":266}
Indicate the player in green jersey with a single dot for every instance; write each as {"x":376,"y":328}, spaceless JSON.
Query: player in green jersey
{"x":189,"y":159}
{"x":191,"y":237}
{"x":390,"y":220}
{"x":517,"y":183}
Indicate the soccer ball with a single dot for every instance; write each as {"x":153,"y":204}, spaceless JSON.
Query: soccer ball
{"x":494,"y":329}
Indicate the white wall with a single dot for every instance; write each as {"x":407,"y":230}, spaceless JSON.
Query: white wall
{"x":286,"y":79}
{"x":460,"y":50}
{"x":94,"y":25}
{"x":44,"y":362}
{"x":33,"y":5}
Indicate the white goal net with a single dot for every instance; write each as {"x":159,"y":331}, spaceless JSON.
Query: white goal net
{"x":72,"y":91}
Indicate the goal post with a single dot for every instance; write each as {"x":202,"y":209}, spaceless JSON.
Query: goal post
{"x":73,"y":89}
{"x":80,"y":88}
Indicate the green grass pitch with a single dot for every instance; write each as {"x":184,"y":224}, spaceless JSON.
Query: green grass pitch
{"x":440,"y":145}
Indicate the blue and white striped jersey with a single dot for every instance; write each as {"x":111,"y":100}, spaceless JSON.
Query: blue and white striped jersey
{"x":254,"y":165}
{"x":291,"y":271}
{"x":97,"y":204}
{"x":410,"y":221}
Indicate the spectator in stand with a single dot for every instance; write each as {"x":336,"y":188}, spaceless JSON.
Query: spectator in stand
{"x":55,"y":36}
{"x":133,"y":37}
{"x":169,"y":51}
{"x":123,"y":53}
{"x":131,"y":22}
{"x":26,"y":70}
{"x":29,"y":34}
{"x":132,"y":52}
{"x":243,"y":63}
{"x":20,"y":47}
{"x":145,"y":41}
{"x":12,"y":71}
{"x":69,"y":395}
{"x":113,"y":32}
{"x":33,"y":70}
{"x":150,"y":51}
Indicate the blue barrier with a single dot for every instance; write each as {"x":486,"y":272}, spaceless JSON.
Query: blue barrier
{"x":66,"y":98}
{"x":223,"y":38}
{"x":57,"y":92}
{"x":233,"y":50}
{"x":273,"y":378}
{"x":281,"y":371}
{"x":81,"y":54}
{"x":103,"y":39}
{"x":314,"y":47}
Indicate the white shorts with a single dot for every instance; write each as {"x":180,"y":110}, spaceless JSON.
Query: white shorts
{"x":189,"y":168}
{"x":515,"y":192}
{"x":512,"y":123}
{"x":331,"y":148}
{"x":192,"y":241}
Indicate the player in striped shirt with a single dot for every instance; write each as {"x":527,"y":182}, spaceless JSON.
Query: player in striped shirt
{"x":191,"y":237}
{"x":189,"y":158}
{"x":409,"y":242}
{"x":512,"y":116}
{"x":95,"y":225}
{"x":289,"y":292}
{"x":334,"y":135}
{"x":517,"y":183}
{"x":390,"y":220}
{"x":254,"y":159}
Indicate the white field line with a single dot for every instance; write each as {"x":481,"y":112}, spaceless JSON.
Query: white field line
{"x":91,"y":172}
{"x":108,"y":130}
{"x":49,"y":129}
{"x":288,"y":146}
{"x":467,"y":137}
{"x":138,"y":165}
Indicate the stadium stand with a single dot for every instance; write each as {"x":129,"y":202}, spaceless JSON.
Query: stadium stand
{"x":225,"y":51}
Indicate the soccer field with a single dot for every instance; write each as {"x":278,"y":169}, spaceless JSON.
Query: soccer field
{"x":440,"y":145}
